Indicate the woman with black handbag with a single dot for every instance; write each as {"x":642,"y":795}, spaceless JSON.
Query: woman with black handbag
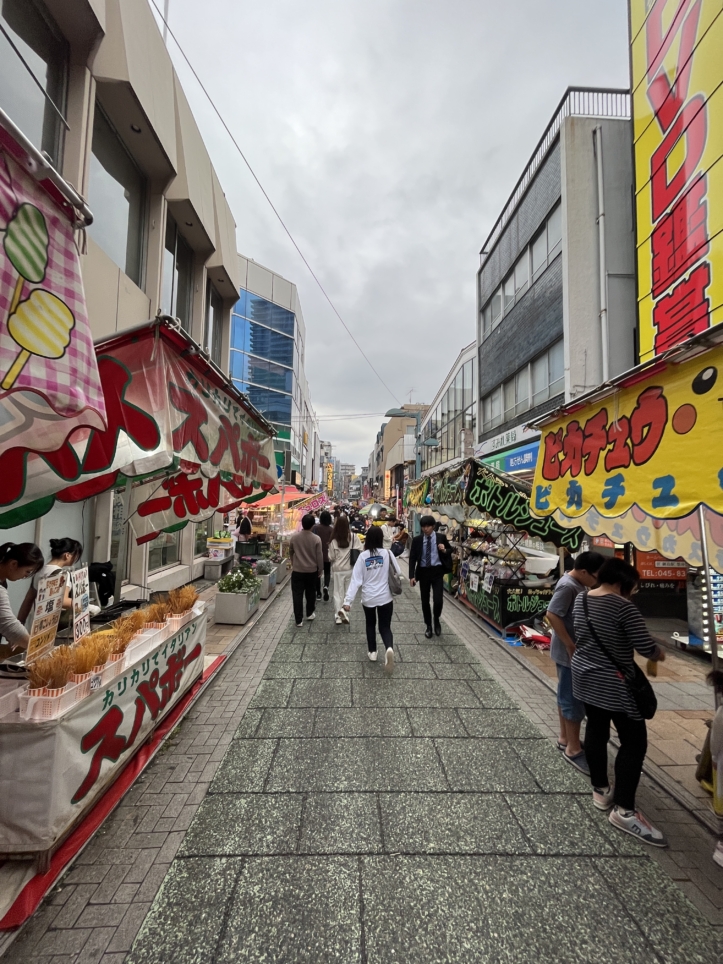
{"x":608,"y":631}
{"x":344,"y":549}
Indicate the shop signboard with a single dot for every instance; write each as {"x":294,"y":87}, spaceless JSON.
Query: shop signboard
{"x":519,"y":435}
{"x":81,"y":603}
{"x":47,"y":608}
{"x":449,"y":488}
{"x":312,"y":505}
{"x":415,"y":496}
{"x":677,"y":74}
{"x":654,"y":568}
{"x":76,"y":756}
{"x":509,"y":501}
{"x":636,"y":464}
{"x":519,"y":459}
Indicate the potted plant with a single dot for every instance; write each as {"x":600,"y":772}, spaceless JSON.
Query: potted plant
{"x":282,"y":565}
{"x":238,"y":595}
{"x":266,"y":571}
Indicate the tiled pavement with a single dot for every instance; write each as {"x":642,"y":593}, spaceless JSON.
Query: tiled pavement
{"x":351,"y":816}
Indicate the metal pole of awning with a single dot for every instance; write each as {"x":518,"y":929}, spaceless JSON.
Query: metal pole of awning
{"x":38,"y":165}
{"x":709,"y":632}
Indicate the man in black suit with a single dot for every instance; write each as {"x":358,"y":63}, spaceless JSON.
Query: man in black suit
{"x":429,"y":559}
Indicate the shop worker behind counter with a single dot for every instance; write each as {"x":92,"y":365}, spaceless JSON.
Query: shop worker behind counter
{"x":307,"y":565}
{"x":16,"y":562}
{"x":571,"y":711}
{"x":429,"y":559}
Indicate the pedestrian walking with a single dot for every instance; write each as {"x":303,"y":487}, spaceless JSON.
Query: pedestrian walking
{"x":241,"y":533}
{"x":389,"y":530}
{"x":307,"y":564}
{"x":344,"y":544}
{"x":608,"y":631}
{"x":371,"y":574}
{"x":323,"y":529}
{"x":429,"y":559}
{"x":571,"y":711}
{"x":715,"y":678}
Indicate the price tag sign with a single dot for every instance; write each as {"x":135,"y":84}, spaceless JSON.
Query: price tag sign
{"x":488,"y":581}
{"x":46,"y":614}
{"x":474,"y":581}
{"x":81,"y":603}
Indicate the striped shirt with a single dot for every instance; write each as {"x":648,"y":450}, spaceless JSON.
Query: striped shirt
{"x":622,"y":630}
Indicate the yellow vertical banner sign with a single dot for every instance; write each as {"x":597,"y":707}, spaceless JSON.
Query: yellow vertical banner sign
{"x":677,"y":76}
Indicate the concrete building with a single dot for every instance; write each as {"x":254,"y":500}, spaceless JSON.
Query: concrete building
{"x":451,"y":419}
{"x":267,"y":354}
{"x":163,"y":235}
{"x":556,"y":284}
{"x":387,"y":436}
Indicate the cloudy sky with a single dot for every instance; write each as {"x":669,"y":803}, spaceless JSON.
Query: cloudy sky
{"x":388,"y":133}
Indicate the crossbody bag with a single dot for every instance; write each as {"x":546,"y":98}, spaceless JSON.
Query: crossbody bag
{"x":638,"y":687}
{"x":395,"y":580}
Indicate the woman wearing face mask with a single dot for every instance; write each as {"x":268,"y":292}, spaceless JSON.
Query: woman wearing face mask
{"x":19,"y":561}
{"x":64,"y":553}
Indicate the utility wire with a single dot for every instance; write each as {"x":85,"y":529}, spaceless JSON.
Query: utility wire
{"x":270,"y":202}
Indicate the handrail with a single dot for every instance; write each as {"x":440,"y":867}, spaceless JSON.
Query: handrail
{"x":576,"y":101}
{"x":38,"y":165}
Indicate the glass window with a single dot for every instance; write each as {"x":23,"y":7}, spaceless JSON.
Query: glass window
{"x":282,"y":320}
{"x":116,"y":195}
{"x":459,"y":392}
{"x":271,"y":344}
{"x":177,"y":281}
{"x":557,"y":368}
{"x":239,"y":333}
{"x":164,"y":551}
{"x":522,"y":390}
{"x":119,"y":534}
{"x":214,"y":323}
{"x":468,"y":384}
{"x":203,"y":530}
{"x":539,"y":380}
{"x":554,"y":231}
{"x":509,"y":395}
{"x":485,"y":322}
{"x":444,"y":408}
{"x":539,"y":253}
{"x":39,"y":43}
{"x":274,"y":406}
{"x":509,"y":291}
{"x":239,"y":366}
{"x":240,"y":307}
{"x":496,"y":305}
{"x":522,"y":273}
{"x":266,"y":373}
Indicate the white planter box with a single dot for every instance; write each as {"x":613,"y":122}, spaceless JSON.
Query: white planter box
{"x":282,"y":572}
{"x":268,"y":584}
{"x":236,"y":607}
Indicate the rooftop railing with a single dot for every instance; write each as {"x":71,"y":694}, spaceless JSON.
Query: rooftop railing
{"x":576,"y":102}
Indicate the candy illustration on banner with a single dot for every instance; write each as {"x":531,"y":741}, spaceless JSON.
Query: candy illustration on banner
{"x":40,"y":326}
{"x":26,"y":245}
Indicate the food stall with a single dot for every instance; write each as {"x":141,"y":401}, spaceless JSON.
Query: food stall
{"x":638,"y":460}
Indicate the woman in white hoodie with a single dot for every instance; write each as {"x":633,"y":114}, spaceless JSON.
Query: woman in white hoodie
{"x":371,"y":573}
{"x":343,"y":541}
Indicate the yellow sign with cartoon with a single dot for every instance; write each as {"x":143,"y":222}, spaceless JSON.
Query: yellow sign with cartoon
{"x":655,"y":444}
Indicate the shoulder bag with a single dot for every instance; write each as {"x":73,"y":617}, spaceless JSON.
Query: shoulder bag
{"x":353,"y":553}
{"x":638,"y":687}
{"x":395,"y":580}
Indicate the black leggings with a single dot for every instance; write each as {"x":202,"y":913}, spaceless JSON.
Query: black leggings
{"x":633,"y":736}
{"x":327,"y":577}
{"x":385,"y":625}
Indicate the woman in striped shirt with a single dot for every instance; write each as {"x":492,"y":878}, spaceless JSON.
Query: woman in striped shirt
{"x":600,"y":685}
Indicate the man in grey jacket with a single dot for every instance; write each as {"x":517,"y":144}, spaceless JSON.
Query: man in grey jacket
{"x":307,"y":565}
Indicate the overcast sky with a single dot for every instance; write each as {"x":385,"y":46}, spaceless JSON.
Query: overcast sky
{"x":389,"y":134}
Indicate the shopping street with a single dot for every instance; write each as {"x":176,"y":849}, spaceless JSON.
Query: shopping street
{"x":311,"y":807}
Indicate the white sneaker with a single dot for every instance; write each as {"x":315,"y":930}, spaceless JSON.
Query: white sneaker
{"x":633,"y":822}
{"x":338,"y":621}
{"x":344,"y":615}
{"x":389,"y":660}
{"x":372,"y":654}
{"x":299,"y":625}
{"x":602,"y":797}
{"x":718,"y":853}
{"x":309,"y":618}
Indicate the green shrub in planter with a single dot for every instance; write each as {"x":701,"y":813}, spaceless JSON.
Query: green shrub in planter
{"x":264,"y":567}
{"x":241,"y":579}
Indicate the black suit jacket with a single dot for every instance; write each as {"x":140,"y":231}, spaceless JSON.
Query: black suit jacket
{"x":415,"y":554}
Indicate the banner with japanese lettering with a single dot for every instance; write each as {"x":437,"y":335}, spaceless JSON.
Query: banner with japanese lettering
{"x":636,"y":464}
{"x":163,"y":409}
{"x":76,"y":757}
{"x":677,"y":70}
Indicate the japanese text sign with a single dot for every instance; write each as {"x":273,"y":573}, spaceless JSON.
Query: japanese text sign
{"x":657,"y":445}
{"x":46,"y":614}
{"x":81,"y":603}
{"x":677,"y":71}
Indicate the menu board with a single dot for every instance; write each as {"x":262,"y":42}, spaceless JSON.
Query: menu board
{"x":81,"y":603}
{"x":46,"y":614}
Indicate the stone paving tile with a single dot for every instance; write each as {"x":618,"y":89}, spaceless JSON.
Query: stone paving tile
{"x":235,"y":824}
{"x":362,"y":721}
{"x":341,"y":823}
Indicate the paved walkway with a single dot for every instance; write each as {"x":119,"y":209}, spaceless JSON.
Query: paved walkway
{"x":343,"y":815}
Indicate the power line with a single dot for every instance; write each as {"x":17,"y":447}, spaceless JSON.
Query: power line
{"x":270,"y":202}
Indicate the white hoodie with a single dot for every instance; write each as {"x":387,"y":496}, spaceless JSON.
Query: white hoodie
{"x":371,"y":572}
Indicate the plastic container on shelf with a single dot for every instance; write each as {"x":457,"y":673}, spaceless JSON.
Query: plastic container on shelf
{"x":82,"y":681}
{"x":50,"y":705}
{"x":9,"y":692}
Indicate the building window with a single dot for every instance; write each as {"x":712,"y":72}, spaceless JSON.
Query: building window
{"x":164,"y":551}
{"x":177,"y":281}
{"x":546,"y":245}
{"x":117,"y":196}
{"x":203,"y":531}
{"x":533,"y":384}
{"x":214,"y":323}
{"x":28,"y":34}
